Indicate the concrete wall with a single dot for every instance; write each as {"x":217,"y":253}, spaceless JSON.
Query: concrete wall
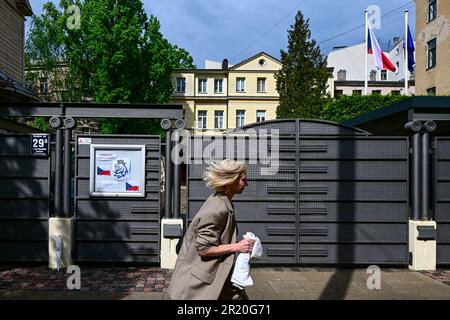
{"x":439,"y":28}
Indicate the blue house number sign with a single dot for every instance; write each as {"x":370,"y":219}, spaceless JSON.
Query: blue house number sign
{"x":40,"y":144}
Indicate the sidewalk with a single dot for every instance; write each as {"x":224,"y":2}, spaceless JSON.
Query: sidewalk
{"x":284,"y":283}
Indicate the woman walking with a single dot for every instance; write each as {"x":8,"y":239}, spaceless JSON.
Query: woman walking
{"x":206,"y":259}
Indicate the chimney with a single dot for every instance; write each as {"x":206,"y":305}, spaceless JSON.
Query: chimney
{"x":225,"y":64}
{"x":396,"y":41}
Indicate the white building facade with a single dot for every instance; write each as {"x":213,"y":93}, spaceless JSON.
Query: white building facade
{"x":349,"y":71}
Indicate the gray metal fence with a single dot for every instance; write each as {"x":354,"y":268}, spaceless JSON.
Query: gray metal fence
{"x":441,"y":193}
{"x":117,"y":229}
{"x":24,"y":200}
{"x":340,"y":196}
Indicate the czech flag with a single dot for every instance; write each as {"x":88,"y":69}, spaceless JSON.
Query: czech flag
{"x":130,"y":187}
{"x":381,"y":61}
{"x":101,"y":172}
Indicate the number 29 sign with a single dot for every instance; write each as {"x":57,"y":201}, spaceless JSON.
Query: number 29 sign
{"x":40,"y":144}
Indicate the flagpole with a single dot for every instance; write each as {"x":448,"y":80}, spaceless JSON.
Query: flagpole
{"x":366,"y":54}
{"x":406,"y":52}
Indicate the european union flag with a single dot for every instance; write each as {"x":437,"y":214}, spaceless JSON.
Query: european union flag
{"x":411,"y":49}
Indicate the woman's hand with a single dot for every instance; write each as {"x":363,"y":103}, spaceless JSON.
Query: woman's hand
{"x":245,"y":246}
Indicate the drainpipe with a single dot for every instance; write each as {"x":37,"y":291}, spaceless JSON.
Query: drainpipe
{"x":415,"y":126}
{"x":429,"y":126}
{"x":166,"y":124}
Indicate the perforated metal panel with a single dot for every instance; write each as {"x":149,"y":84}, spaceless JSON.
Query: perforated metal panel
{"x":340,"y":195}
{"x":118,"y":229}
{"x":442,"y":198}
{"x":24,"y":200}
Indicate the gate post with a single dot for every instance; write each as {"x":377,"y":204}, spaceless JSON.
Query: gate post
{"x":422,"y":233}
{"x":171,"y":226}
{"x":58,"y":172}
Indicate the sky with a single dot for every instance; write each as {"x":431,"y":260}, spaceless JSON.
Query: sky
{"x":238,"y":29}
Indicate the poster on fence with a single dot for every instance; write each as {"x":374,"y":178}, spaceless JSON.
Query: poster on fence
{"x":117,"y":170}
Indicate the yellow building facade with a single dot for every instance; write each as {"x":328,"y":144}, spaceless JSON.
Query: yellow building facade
{"x":432,"y":47}
{"x":220,"y":99}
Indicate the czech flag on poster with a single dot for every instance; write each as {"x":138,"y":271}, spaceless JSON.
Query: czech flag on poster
{"x":129,"y":186}
{"x":103,"y":172}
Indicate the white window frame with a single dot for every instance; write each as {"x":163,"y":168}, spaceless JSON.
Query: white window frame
{"x":216,"y":82}
{"x":240,"y":84}
{"x":202,"y":119}
{"x":43,"y":85}
{"x":181,"y":81}
{"x":258,"y":118}
{"x":202,"y":88}
{"x":261,"y":88}
{"x":240,"y":118}
{"x":218,"y":119}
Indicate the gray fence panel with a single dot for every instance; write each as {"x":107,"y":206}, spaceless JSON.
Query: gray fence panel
{"x":118,"y":229}
{"x":339,"y":197}
{"x":24,"y":200}
{"x":441,"y":186}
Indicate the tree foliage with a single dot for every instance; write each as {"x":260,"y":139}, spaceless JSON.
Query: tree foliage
{"x":348,"y":107}
{"x":302,"y":80}
{"x":117,"y":55}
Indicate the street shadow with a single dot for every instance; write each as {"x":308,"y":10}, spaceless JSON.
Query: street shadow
{"x":344,"y":248}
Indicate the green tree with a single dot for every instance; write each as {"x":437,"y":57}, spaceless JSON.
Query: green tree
{"x":117,"y":55}
{"x":348,"y":107}
{"x":302,"y":80}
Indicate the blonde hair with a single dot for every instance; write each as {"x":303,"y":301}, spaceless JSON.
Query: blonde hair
{"x":219,"y":175}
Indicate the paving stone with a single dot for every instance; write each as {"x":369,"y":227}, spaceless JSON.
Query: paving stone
{"x":282,"y":286}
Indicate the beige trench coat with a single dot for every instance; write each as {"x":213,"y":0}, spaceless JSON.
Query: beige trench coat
{"x":195,"y":277}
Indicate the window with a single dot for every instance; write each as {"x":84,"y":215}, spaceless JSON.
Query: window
{"x":432,"y":53}
{"x":376,"y":91}
{"x":181,"y":84}
{"x":261,"y":84}
{"x":395,"y":92}
{"x":240,"y":84}
{"x":373,"y":75}
{"x":357,"y":92}
{"x":218,"y":119}
{"x":218,"y":85}
{"x":43,"y":86}
{"x":342,"y":75}
{"x":383,"y":75}
{"x":201,"y":85}
{"x":431,"y":91}
{"x":240,"y":118}
{"x":338,"y":93}
{"x":432,"y":9}
{"x":260,"y":115}
{"x":397,"y":70}
{"x":202,"y":119}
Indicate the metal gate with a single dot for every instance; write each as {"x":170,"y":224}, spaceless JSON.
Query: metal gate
{"x":114,"y":228}
{"x":24,"y":200}
{"x":441,"y":187}
{"x":340,"y":195}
